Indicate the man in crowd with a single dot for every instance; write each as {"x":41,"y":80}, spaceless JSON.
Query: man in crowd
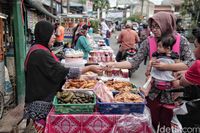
{"x":105,"y":31}
{"x":60,"y":30}
{"x":127,"y":40}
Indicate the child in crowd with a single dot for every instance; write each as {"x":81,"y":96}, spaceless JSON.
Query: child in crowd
{"x":163,"y":79}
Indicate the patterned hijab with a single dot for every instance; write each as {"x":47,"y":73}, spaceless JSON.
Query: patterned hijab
{"x":166,"y":22}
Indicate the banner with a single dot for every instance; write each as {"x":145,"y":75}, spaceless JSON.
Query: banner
{"x":115,"y":15}
{"x":127,"y":2}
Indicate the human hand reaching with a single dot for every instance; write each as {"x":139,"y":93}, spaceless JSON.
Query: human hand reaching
{"x":94,"y":68}
{"x":110,"y":64}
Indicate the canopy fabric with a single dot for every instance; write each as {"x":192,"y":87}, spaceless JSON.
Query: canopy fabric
{"x":39,"y":6}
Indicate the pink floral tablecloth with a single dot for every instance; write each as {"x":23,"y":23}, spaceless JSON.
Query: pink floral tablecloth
{"x":93,"y":123}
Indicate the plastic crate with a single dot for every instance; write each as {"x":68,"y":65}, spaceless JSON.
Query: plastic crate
{"x":87,"y":108}
{"x":120,"y":108}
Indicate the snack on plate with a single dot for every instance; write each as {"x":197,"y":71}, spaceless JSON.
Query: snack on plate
{"x":89,"y":76}
{"x":79,"y":84}
{"x":128,"y":97}
{"x":119,"y":85}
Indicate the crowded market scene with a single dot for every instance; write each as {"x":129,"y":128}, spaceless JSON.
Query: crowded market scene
{"x":99,"y":66}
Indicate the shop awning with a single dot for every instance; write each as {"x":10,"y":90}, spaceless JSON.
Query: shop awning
{"x":39,"y":6}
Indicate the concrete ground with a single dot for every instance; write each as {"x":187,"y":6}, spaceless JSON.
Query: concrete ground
{"x":10,"y":119}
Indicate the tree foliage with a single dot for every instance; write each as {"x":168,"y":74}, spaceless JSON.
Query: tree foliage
{"x":134,"y":18}
{"x":101,"y":4}
{"x":191,"y":7}
{"x":95,"y":25}
{"x":82,"y":1}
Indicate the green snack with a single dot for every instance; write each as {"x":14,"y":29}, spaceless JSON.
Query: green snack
{"x":67,"y":99}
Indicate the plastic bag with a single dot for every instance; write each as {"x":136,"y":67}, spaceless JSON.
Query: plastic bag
{"x":181,"y":110}
{"x":176,"y":125}
{"x":102,"y":92}
{"x":134,"y":123}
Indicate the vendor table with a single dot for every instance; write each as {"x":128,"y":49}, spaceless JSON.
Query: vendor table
{"x":97,"y":123}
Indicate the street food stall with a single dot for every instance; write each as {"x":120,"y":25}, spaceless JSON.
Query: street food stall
{"x":106,"y":102}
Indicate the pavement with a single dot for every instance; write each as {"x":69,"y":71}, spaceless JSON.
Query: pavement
{"x":8,"y":124}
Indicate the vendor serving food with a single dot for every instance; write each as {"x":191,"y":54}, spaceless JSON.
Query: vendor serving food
{"x":44,"y":74}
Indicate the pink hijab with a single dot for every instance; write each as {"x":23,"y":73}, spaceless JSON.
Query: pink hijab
{"x":166,"y":22}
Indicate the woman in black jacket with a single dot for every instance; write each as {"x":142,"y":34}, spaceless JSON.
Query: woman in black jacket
{"x":44,"y":74}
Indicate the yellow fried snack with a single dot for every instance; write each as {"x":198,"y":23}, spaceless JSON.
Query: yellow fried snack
{"x":80,"y":84}
{"x":128,"y":97}
{"x":119,"y":85}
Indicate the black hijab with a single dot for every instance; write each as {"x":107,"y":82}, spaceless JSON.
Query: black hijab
{"x":43,"y":32}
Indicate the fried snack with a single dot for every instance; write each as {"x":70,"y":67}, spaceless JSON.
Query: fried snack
{"x":119,"y":85}
{"x":128,"y":97}
{"x":80,"y":84}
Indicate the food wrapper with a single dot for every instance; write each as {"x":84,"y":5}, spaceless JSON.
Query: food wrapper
{"x":134,"y":123}
{"x":102,"y":92}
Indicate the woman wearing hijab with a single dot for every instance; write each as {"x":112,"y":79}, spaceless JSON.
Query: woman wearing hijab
{"x":44,"y":74}
{"x":161,"y":24}
{"x":82,"y":42}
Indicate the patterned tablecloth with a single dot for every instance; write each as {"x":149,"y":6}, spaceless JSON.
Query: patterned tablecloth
{"x":96,"y":123}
